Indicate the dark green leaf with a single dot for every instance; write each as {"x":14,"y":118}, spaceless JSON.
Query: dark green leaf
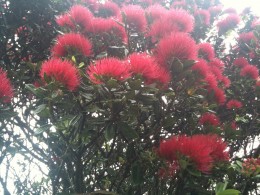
{"x":127,"y":131}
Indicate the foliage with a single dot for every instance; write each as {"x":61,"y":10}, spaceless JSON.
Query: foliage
{"x":134,"y":97}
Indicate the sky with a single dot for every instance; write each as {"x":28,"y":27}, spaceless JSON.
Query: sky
{"x":241,"y":4}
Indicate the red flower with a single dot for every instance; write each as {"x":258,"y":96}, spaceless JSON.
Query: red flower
{"x":173,"y":21}
{"x":219,"y":149}
{"x":61,"y":71}
{"x":107,"y":26}
{"x":225,"y":80}
{"x":203,"y":16}
{"x":146,"y":66}
{"x":65,"y":21}
{"x":241,"y":62}
{"x":246,"y":38}
{"x":217,"y":62}
{"x":176,"y":45}
{"x":206,"y":51}
{"x":201,"y":151}
{"x":81,"y":15}
{"x":156,"y":12}
{"x":6,"y":90}
{"x":220,"y":96}
{"x":211,"y":81}
{"x":232,"y":104}
{"x":217,"y":72}
{"x":108,"y":9}
{"x":108,"y":68}
{"x":228,"y":23}
{"x":135,"y":17}
{"x":209,"y":119}
{"x":202,"y":67}
{"x":70,"y":42}
{"x":250,"y":71}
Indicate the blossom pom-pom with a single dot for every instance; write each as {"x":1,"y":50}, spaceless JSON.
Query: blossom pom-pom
{"x":135,"y":17}
{"x":201,"y":151}
{"x":108,"y":68}
{"x":206,"y":51}
{"x":146,"y":66}
{"x":228,"y":23}
{"x":240,"y":62}
{"x":176,"y":46}
{"x":209,"y":119}
{"x":61,"y":71}
{"x":233,"y":104}
{"x":6,"y":90}
{"x":71,"y":42}
{"x":250,"y":71}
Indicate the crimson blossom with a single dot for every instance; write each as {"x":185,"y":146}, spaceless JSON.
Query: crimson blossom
{"x":174,"y":20}
{"x":200,"y":151}
{"x":108,"y":68}
{"x":232,"y":104}
{"x":228,"y":23}
{"x":61,"y":71}
{"x":176,"y":45}
{"x":250,"y":71}
{"x":146,"y":66}
{"x":6,"y":90}
{"x":135,"y":17}
{"x":70,"y":42}
{"x":209,"y":119}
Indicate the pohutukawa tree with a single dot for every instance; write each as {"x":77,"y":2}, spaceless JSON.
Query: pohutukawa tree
{"x":136,"y":97}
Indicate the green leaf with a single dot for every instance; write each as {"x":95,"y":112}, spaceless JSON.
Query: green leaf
{"x":41,"y":129}
{"x":229,"y":192}
{"x":73,"y":59}
{"x":127,"y":131}
{"x":109,"y":132}
{"x":220,"y":187}
{"x":137,"y":173}
{"x":40,"y":108}
{"x":81,"y":64}
{"x":194,"y":172}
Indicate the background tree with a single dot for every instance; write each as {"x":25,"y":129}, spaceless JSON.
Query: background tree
{"x":133,"y":97}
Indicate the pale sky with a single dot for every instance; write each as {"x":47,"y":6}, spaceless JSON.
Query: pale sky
{"x":241,"y":4}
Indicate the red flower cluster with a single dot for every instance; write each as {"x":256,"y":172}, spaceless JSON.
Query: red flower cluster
{"x":206,"y":51}
{"x":71,"y":42}
{"x":247,"y":38}
{"x":176,"y":45}
{"x":232,"y":104}
{"x":200,"y":151}
{"x":146,"y":66}
{"x":240,"y":62}
{"x":175,"y":20}
{"x":108,"y":68}
{"x":212,"y":72}
{"x":103,"y":26}
{"x":228,"y":23}
{"x":156,"y":12}
{"x":62,"y":72}
{"x":250,"y":71}
{"x":209,"y":119}
{"x":6,"y":90}
{"x":78,"y":15}
{"x":135,"y":17}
